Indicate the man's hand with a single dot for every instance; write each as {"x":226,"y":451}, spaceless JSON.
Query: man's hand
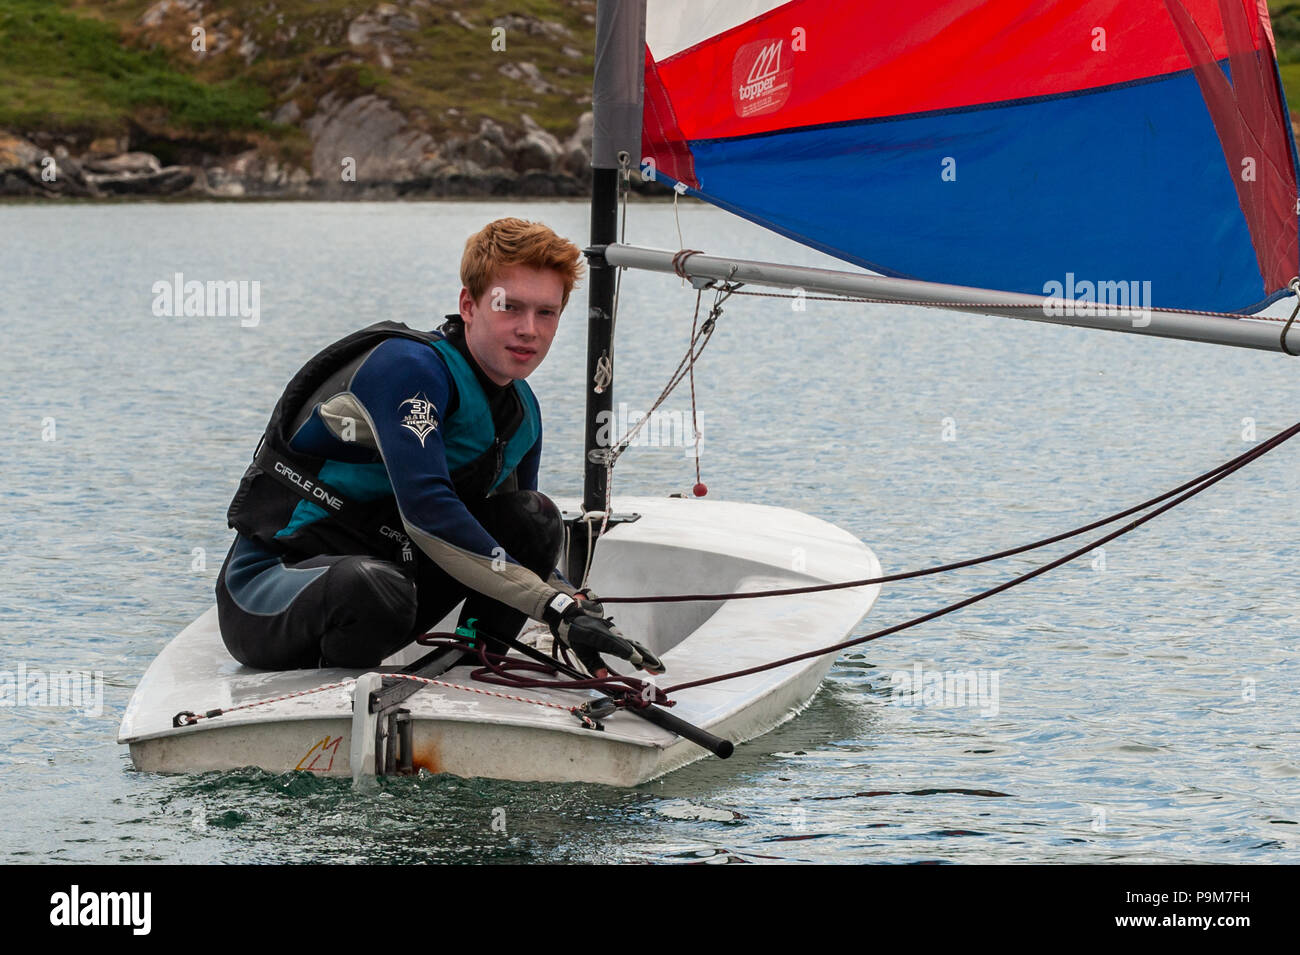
{"x":590,"y":603}
{"x":589,"y":635}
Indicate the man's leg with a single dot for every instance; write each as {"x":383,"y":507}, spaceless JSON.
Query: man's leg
{"x":529,"y":526}
{"x":332,"y":610}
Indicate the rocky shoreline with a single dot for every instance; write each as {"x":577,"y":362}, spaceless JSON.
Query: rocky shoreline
{"x":361,"y":149}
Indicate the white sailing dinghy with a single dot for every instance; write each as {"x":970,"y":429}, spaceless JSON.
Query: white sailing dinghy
{"x":954,"y":151}
{"x":673,"y":546}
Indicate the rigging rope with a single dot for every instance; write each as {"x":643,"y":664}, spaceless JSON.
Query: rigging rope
{"x":1209,"y":479}
{"x":700,"y":336}
{"x":627,"y":691}
{"x":504,"y":670}
{"x":1295,"y":287}
{"x":686,"y":368}
{"x":1262,"y":448}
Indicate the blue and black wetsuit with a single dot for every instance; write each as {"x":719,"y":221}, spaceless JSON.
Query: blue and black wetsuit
{"x":416,"y":436}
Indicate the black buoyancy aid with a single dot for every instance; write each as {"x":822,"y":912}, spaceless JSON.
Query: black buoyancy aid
{"x":279,"y":478}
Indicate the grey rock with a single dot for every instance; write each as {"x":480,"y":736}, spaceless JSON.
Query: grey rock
{"x":581,"y":138}
{"x":577,"y":148}
{"x":538,"y":149}
{"x":528,"y":74}
{"x":491,"y":132}
{"x":30,"y":180}
{"x":453,"y":147}
{"x":228,"y":189}
{"x":432,"y":166}
{"x":19,"y":181}
{"x":547,"y":184}
{"x":379,"y":26}
{"x":465,"y":167}
{"x":288,"y":114}
{"x":155,"y":15}
{"x":364,"y":29}
{"x":169,"y":181}
{"x":531,"y":25}
{"x":131,"y":164}
{"x":577,"y":162}
{"x":16,"y":152}
{"x":370,"y":131}
{"x":485,"y":153}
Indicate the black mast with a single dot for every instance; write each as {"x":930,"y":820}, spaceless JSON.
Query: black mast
{"x":600,"y":331}
{"x":616,"y":140}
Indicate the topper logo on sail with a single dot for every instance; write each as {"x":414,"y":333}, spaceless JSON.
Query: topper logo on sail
{"x":760,"y":83}
{"x":764,"y":72}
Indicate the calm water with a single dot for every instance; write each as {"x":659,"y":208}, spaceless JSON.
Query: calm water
{"x":1147,"y":698}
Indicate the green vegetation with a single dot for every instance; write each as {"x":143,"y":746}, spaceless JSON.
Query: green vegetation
{"x":1286,"y":30}
{"x":1286,"y":33}
{"x":90,"y":68}
{"x":67,"y":73}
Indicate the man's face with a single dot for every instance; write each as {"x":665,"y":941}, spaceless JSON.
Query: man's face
{"x":510,"y":328}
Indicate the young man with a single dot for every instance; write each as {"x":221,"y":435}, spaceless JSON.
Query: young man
{"x":398,"y":476}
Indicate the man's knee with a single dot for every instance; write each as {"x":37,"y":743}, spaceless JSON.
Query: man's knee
{"x":541,"y":515}
{"x":372,"y":584}
{"x":352,"y":612}
{"x":528,"y":525}
{"x":374,"y":612}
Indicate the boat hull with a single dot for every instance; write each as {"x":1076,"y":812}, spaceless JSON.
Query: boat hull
{"x":473,"y":729}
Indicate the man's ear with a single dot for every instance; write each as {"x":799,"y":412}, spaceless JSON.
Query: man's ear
{"x":466,"y":305}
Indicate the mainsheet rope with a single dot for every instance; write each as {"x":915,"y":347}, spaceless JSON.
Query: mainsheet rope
{"x":1209,"y":479}
{"x":1243,"y":458}
{"x":629,"y":691}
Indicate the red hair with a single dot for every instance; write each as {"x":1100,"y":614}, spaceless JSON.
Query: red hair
{"x":508,"y":242}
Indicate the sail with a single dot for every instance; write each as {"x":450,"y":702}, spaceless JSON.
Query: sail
{"x":1032,"y":146}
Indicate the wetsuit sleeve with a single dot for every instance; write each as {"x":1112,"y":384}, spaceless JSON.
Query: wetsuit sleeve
{"x":402,"y":389}
{"x":561,"y":583}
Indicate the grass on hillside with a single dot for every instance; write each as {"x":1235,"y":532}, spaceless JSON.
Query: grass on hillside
{"x":64,"y":73}
{"x":445,"y":81}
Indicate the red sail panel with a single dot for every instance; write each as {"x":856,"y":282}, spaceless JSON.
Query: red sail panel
{"x":1245,"y":112}
{"x":876,"y":58}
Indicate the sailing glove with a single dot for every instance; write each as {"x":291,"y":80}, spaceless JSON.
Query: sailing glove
{"x":590,"y":603}
{"x":589,"y":635}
